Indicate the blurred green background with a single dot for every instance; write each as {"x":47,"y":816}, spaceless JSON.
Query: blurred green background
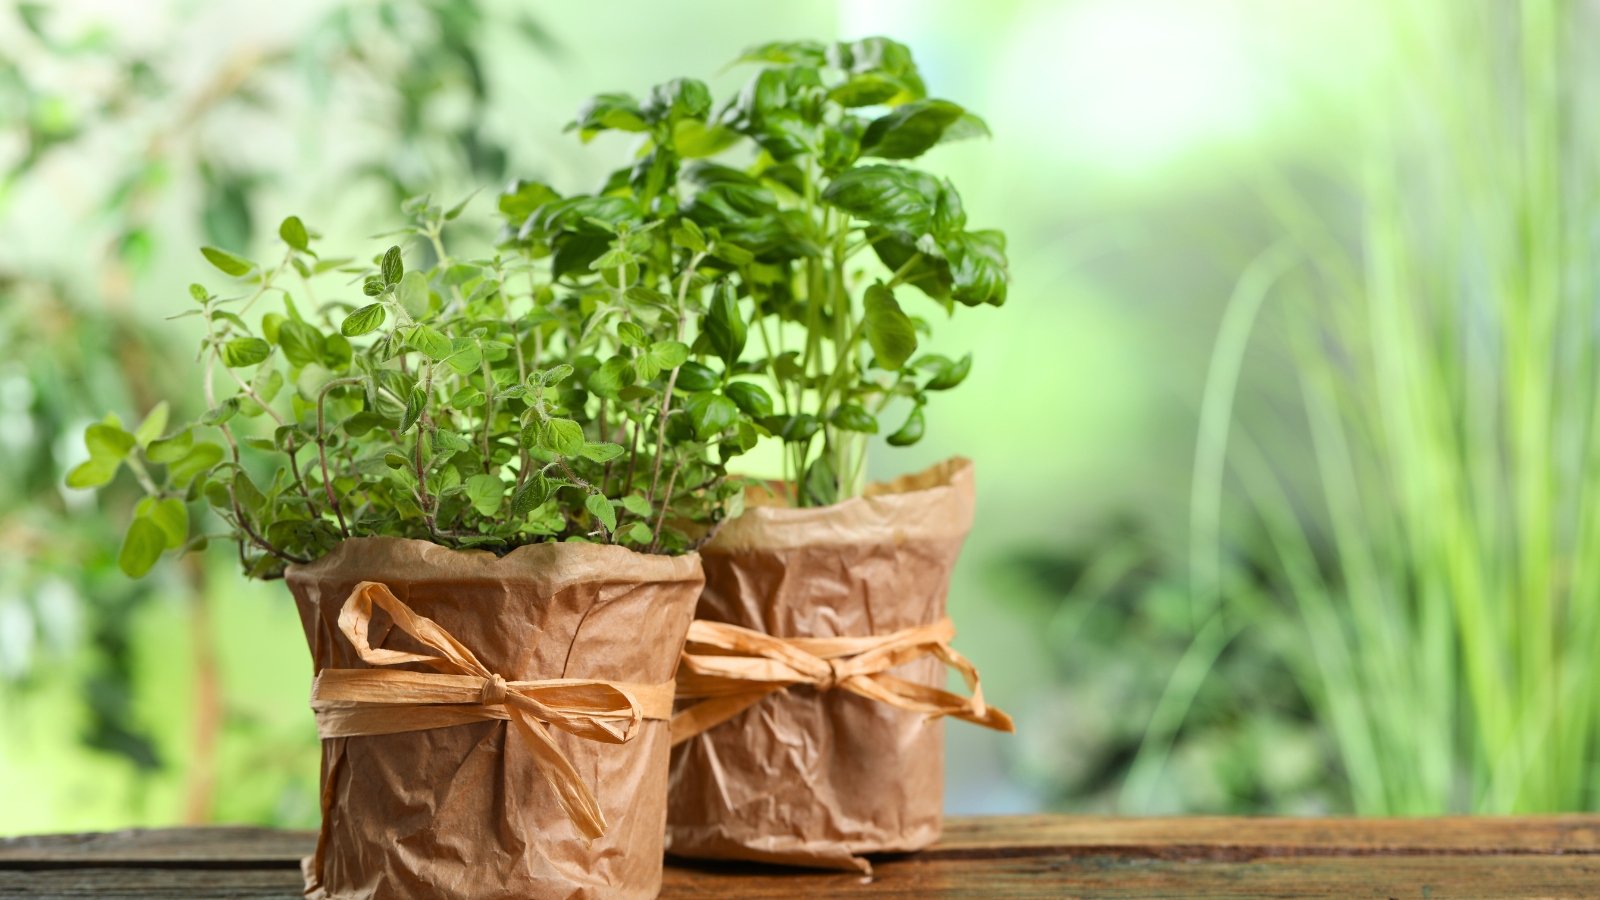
{"x":1283,"y":270}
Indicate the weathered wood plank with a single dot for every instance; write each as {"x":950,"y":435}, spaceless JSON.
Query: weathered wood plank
{"x":1215,"y":836}
{"x":1198,"y":837}
{"x":227,"y":846}
{"x":139,"y":884}
{"x":1017,"y":856}
{"x":1505,"y":876}
{"x":1501,"y":877}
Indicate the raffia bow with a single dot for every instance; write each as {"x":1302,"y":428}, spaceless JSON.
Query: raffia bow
{"x":730,"y":669}
{"x":357,"y":702}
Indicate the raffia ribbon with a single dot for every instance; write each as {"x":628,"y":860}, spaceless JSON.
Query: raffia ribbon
{"x":730,"y":669}
{"x":357,"y":702}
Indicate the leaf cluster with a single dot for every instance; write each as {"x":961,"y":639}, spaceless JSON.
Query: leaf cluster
{"x":471,"y":402}
{"x":814,"y":229}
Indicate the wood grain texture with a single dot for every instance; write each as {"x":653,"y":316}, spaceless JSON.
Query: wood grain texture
{"x":1016,"y":856}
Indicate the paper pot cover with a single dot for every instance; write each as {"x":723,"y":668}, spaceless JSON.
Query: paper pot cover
{"x":464,"y":811}
{"x":818,"y":778}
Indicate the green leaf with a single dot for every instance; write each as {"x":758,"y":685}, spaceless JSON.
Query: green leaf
{"x":901,"y":198}
{"x":200,"y":458}
{"x":865,"y":90}
{"x":689,"y":236}
{"x":637,"y":505}
{"x":752,"y":398}
{"x":221,"y":413}
{"x":293,"y":232}
{"x":413,"y":294}
{"x":660,"y":357}
{"x":392,"y":267}
{"x":635,"y":533}
{"x":723,"y":326}
{"x":465,"y":357}
{"x":523,"y":198}
{"x":851,"y":417}
{"x":363,"y":422}
{"x":171,"y":516}
{"x":154,"y":423}
{"x":107,"y":442}
{"x":227,"y":262}
{"x":613,"y":111}
{"x":246,"y":494}
{"x":820,"y":485}
{"x":602,"y":509}
{"x":793,"y":429}
{"x":669,"y":354}
{"x":267,"y":383}
{"x":455,"y":211}
{"x":564,"y":436}
{"x":415,"y":401}
{"x":694,"y":139}
{"x":142,"y":546}
{"x":811,"y":53}
{"x":486,"y":493}
{"x":888,"y":329}
{"x":301,"y":342}
{"x":910,"y":130}
{"x":367,"y":319}
{"x":711,"y":413}
{"x":601,"y":452}
{"x":613,"y":375}
{"x":950,"y":374}
{"x":245,"y":351}
{"x":631,"y":335}
{"x":467,"y":398}
{"x":978,"y":267}
{"x":270,"y":323}
{"x":910,"y":432}
{"x":677,"y":99}
{"x":430,"y":342}
{"x":693,"y":376}
{"x":92,"y":473}
{"x":533,"y":493}
{"x":170,"y":449}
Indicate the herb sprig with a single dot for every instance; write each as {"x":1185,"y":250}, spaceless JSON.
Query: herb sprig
{"x":449,"y":405}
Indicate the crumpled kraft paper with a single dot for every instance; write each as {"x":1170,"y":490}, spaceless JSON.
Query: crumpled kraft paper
{"x":809,"y":778}
{"x":447,"y":812}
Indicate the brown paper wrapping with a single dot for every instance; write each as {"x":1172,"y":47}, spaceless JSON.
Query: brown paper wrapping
{"x":807,"y":777}
{"x":448,"y":812}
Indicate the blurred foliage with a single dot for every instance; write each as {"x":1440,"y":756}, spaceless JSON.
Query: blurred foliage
{"x":152,"y":138}
{"x":1117,"y":612}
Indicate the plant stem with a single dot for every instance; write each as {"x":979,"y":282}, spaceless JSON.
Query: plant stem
{"x":322,"y":448}
{"x":672,"y":378}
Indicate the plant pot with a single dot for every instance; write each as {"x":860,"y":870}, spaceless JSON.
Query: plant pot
{"x":475,"y":808}
{"x":807,"y":775}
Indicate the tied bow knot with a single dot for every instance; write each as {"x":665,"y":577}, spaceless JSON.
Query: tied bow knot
{"x":493,"y":692}
{"x":461,"y":691}
{"x":728,"y":669}
{"x":830,"y":679}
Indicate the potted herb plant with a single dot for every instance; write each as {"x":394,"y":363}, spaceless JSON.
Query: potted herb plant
{"x":797,"y":743}
{"x":489,"y":533}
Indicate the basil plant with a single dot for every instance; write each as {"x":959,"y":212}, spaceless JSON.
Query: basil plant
{"x":816,"y":233}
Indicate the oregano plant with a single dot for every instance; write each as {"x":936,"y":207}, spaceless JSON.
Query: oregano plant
{"x":820,"y":231}
{"x":456,"y":400}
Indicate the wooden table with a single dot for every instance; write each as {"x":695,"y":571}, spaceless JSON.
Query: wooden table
{"x":1013,"y":856}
